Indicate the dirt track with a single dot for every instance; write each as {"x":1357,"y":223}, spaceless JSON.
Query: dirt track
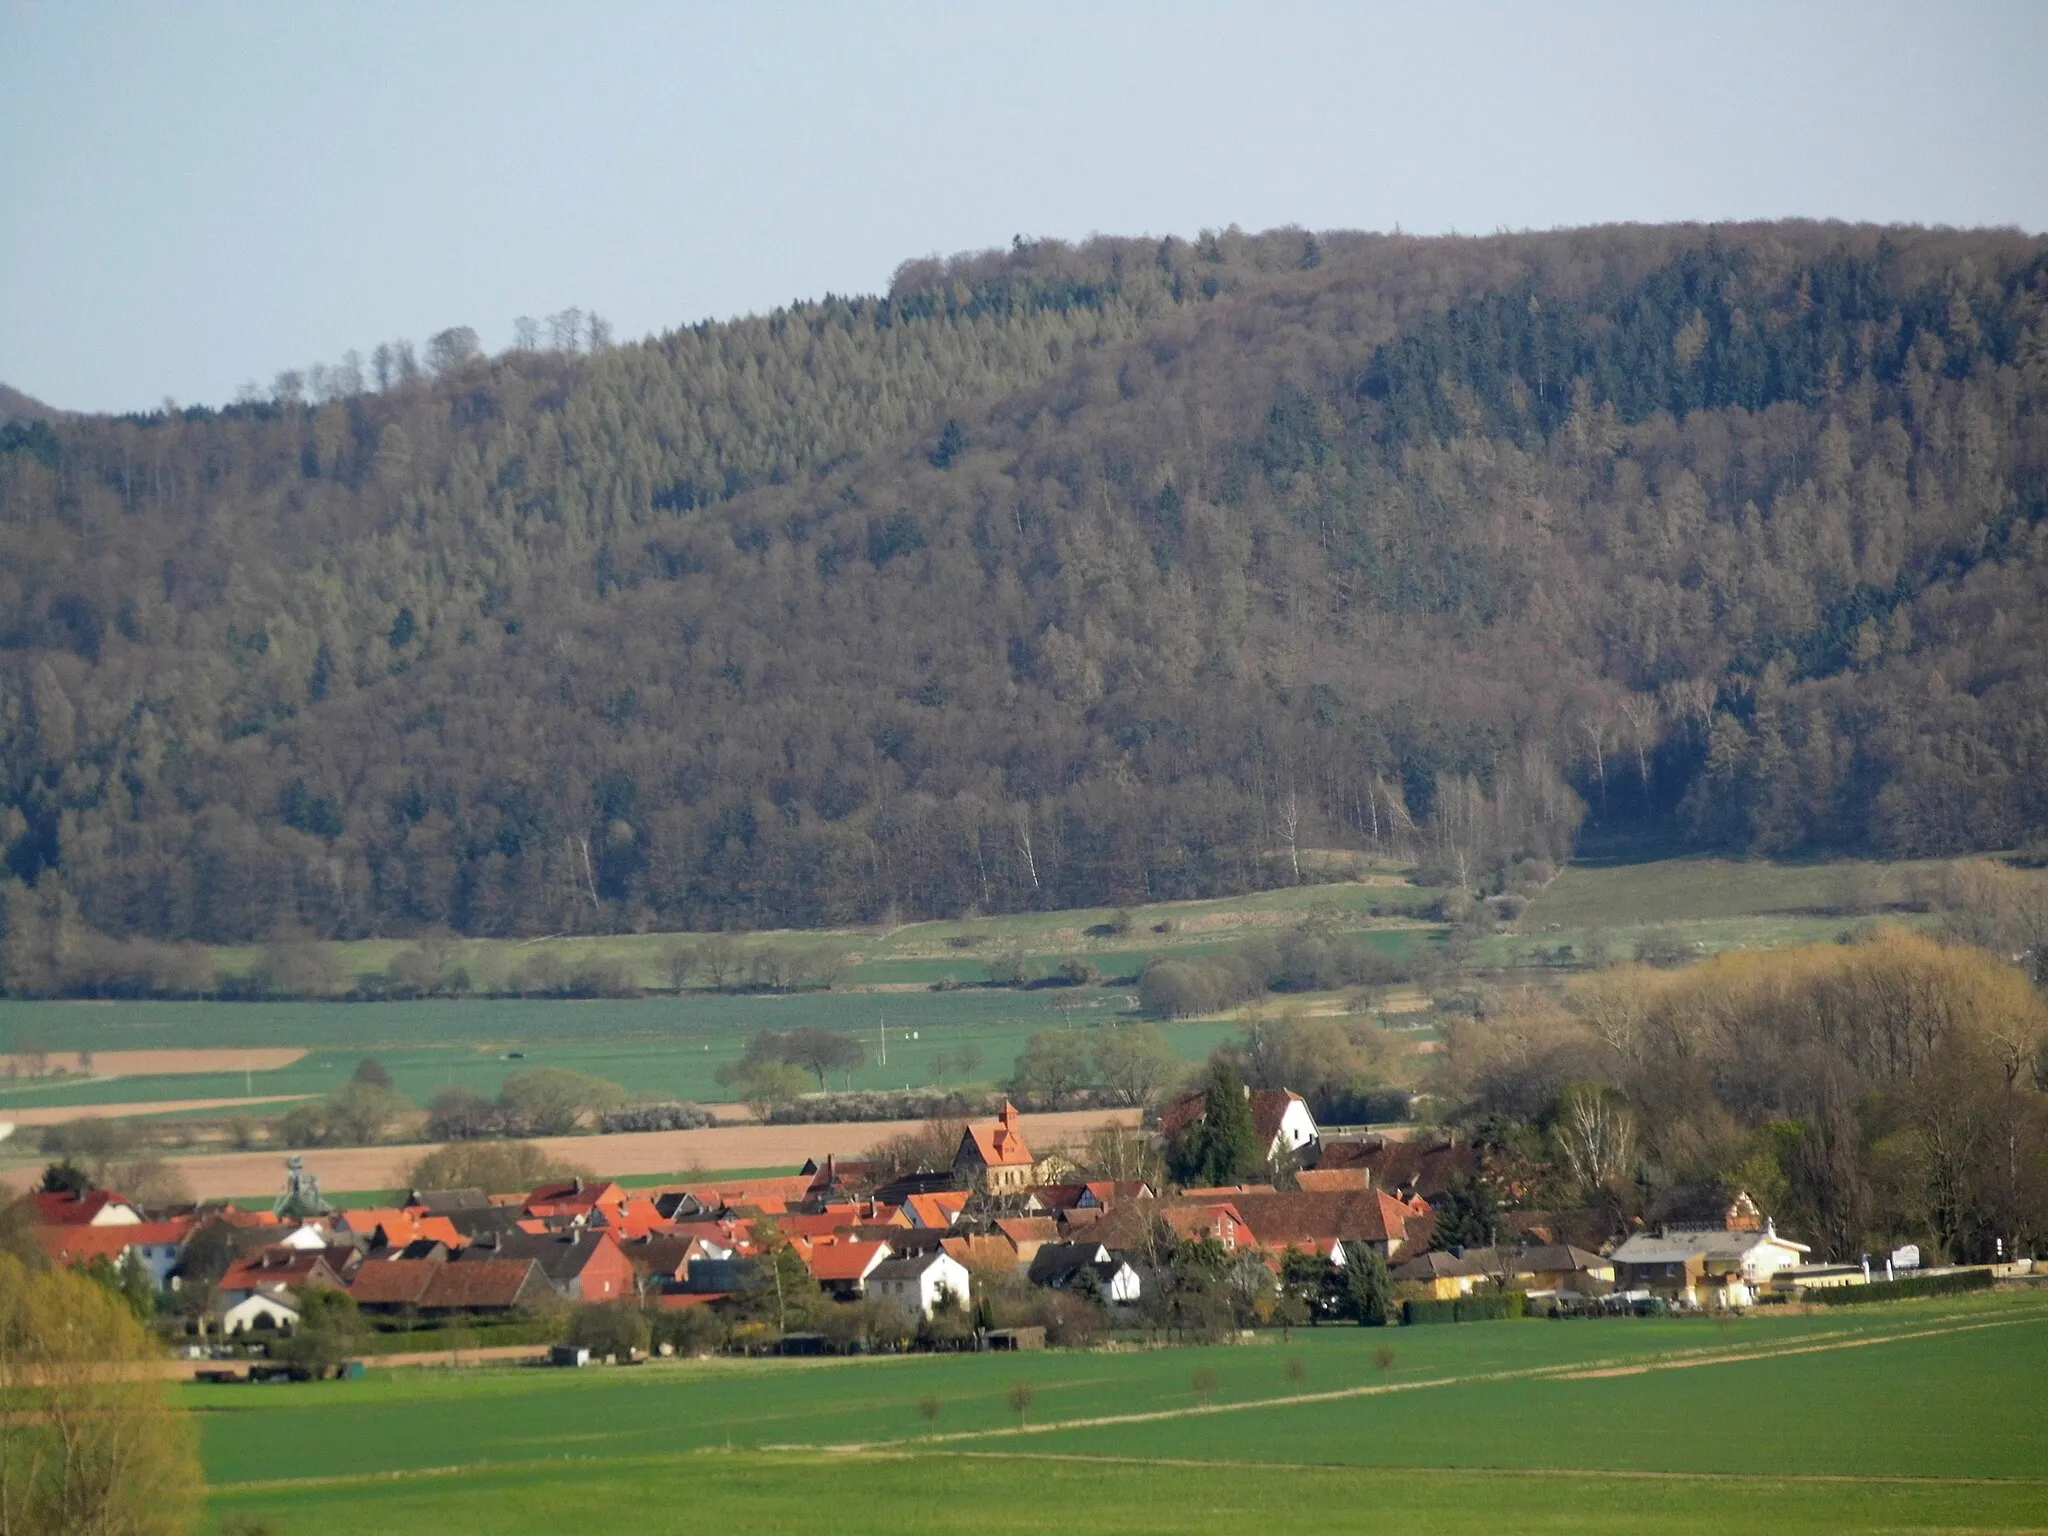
{"x":164,"y":1063}
{"x":57,"y":1114}
{"x":240,"y":1174}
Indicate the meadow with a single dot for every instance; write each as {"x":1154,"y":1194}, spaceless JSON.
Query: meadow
{"x":1913,"y":1416}
{"x":671,"y":1045}
{"x":665,"y":1047}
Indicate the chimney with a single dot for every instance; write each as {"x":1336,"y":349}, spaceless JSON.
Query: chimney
{"x":579,"y":1184}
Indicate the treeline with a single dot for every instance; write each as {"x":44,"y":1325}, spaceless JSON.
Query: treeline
{"x":1065,"y":576}
{"x":1866,"y":1094}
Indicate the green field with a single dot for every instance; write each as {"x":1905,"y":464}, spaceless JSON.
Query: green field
{"x":1919,"y":1416}
{"x":667,"y":1047}
{"x":918,"y":954}
{"x":672,"y":1045}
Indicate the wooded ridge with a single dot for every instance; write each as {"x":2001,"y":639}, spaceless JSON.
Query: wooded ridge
{"x":1057,"y":576}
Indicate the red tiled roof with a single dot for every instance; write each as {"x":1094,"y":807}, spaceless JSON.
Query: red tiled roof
{"x":1427,"y":1167}
{"x":1000,"y":1145}
{"x":1220,"y":1221}
{"x":81,"y":1245}
{"x":845,"y":1261}
{"x":1312,"y":1215}
{"x":484,"y":1283}
{"x":278,"y":1266}
{"x":1325,"y":1180}
{"x":937,"y":1210}
{"x":393,"y":1282}
{"x":63,"y":1209}
{"x":573,"y":1198}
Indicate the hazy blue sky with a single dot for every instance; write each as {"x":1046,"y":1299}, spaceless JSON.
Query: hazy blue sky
{"x":196,"y":194}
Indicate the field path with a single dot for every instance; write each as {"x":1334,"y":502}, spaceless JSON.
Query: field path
{"x":58,"y":1114}
{"x":233,"y":1175}
{"x":1802,"y":1344}
{"x":256,"y":1058}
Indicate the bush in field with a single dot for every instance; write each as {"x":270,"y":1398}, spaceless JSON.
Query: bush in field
{"x":655,"y":1117}
{"x":461,"y":1113}
{"x":617,"y":1328}
{"x":911,"y":1104}
{"x":552,"y":1101}
{"x":497,"y":1167}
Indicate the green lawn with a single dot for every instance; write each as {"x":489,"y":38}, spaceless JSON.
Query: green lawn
{"x":1477,"y":1426}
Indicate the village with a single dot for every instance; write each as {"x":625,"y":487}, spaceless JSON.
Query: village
{"x":1004,"y":1248}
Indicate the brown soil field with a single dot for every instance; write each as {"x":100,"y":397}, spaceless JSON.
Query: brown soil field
{"x":163,"y":1063}
{"x":233,"y":1175}
{"x":57,"y":1114}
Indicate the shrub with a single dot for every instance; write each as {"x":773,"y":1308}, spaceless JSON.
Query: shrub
{"x":657,"y":1117}
{"x":498,"y":1167}
{"x":615,"y":1329}
{"x":1466,"y":1309}
{"x":914,"y":1104}
{"x":1906,"y":1290}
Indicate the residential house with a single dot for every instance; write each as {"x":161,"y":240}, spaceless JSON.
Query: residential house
{"x":842,"y":1266}
{"x":938,"y":1210}
{"x":921,"y":1284}
{"x":271,"y":1309}
{"x":279,"y":1268}
{"x":995,"y":1157}
{"x":156,"y":1243}
{"x":1708,"y":1265}
{"x":429,"y":1288}
{"x":582,"y":1266}
{"x":1403,"y":1168}
{"x":1281,"y":1122}
{"x":1060,"y":1266}
{"x":1302,"y":1218}
{"x":1443,"y":1276}
{"x":94,"y":1208}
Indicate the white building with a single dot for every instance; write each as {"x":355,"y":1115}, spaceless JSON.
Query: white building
{"x":920,"y":1284}
{"x":1699,"y":1266}
{"x":272,"y":1307}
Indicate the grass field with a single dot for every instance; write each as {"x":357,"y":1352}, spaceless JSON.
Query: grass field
{"x":672,"y":1046}
{"x":1918,"y":1416}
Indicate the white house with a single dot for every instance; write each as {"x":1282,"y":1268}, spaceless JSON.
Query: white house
{"x":1058,"y":1266}
{"x":917,"y":1284}
{"x":1702,"y":1265}
{"x":1281,"y":1121}
{"x":273,"y":1307}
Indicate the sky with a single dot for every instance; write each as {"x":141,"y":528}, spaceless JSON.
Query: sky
{"x":197,"y":195}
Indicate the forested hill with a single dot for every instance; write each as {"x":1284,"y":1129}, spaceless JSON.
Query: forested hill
{"x":1055,"y":576}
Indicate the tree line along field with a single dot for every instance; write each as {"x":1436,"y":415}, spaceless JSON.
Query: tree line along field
{"x":1906,"y":1416}
{"x":1116,"y":941}
{"x":672,"y":1045}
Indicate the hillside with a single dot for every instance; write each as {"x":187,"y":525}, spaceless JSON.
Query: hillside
{"x":1056,"y":577}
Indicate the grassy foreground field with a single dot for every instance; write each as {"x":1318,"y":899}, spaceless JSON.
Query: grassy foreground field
{"x":1921,"y":1416}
